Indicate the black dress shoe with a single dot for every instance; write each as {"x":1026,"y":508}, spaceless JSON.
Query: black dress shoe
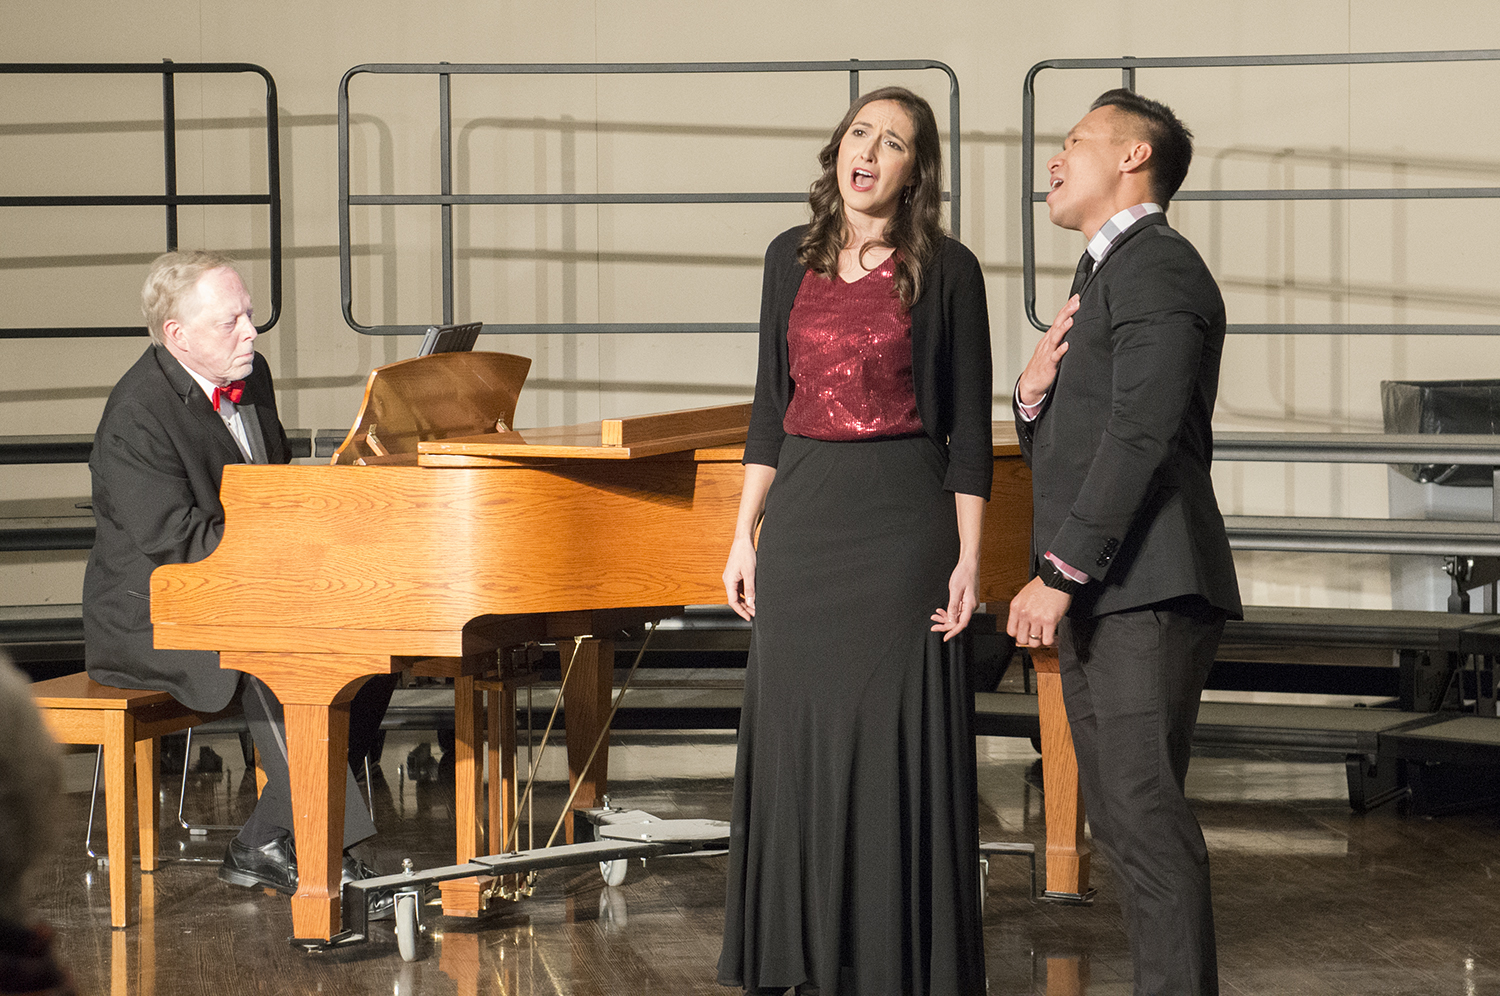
{"x":382,"y":903}
{"x":270,"y":866}
{"x":356,"y":870}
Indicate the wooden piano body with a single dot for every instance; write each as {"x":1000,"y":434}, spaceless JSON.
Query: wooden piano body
{"x":329,"y":574}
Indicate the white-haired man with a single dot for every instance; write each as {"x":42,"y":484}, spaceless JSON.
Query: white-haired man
{"x":198,"y":399}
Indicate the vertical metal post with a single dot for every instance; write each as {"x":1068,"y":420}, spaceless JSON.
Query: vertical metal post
{"x":273,"y":187}
{"x":1028,"y":208}
{"x":853,"y":81}
{"x":445,"y":167}
{"x":954,"y":134}
{"x":1127,"y":76}
{"x":346,"y":235}
{"x":169,"y":149}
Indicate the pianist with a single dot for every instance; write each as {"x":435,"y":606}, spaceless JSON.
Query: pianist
{"x":200,"y":397}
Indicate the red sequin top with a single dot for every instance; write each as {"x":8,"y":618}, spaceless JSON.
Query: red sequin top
{"x":849,"y":347}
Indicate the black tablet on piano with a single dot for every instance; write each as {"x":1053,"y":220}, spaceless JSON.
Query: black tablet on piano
{"x":450,"y":338}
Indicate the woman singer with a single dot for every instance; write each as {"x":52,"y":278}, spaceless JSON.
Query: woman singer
{"x":853,"y":865}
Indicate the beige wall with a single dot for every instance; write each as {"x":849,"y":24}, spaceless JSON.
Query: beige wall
{"x":1373,"y":126}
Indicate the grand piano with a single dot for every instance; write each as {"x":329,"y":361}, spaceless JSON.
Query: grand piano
{"x":327,"y":575}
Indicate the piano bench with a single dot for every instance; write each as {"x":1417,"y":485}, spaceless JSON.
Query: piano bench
{"x":125,"y":723}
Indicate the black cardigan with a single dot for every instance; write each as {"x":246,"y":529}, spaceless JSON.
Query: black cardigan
{"x":950,"y":361}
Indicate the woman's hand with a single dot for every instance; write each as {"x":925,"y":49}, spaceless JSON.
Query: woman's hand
{"x":963,"y":584}
{"x":739,"y":578}
{"x":739,"y":572}
{"x":963,"y":599}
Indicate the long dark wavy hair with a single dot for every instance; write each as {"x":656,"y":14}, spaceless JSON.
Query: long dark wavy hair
{"x":915,"y":231}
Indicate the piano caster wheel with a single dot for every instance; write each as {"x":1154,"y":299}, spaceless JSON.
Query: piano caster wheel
{"x":614,"y":871}
{"x":407,"y":927}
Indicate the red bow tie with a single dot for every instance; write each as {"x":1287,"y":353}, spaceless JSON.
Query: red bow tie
{"x":234,"y":392}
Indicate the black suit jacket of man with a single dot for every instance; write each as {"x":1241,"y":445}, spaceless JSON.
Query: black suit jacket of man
{"x":1121,"y":449}
{"x":159,"y":456}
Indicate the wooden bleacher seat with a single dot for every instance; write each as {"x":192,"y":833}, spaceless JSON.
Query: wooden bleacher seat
{"x":38,"y":638}
{"x":125,"y":723}
{"x":46,"y":524}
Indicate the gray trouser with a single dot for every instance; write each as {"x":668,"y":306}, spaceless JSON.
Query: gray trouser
{"x":1132,"y":682}
{"x":273,"y":811}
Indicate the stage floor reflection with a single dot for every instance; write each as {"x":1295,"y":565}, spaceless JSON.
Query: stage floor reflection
{"x":1310,"y":898}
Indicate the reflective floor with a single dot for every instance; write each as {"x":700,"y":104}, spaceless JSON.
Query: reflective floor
{"x":1310,"y":898}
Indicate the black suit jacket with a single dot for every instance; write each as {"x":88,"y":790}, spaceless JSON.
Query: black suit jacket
{"x":1121,"y":449}
{"x":159,"y":455}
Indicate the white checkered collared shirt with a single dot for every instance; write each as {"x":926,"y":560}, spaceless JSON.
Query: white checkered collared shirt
{"x":1115,"y":226}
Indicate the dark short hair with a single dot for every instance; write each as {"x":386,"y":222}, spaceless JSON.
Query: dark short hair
{"x":1170,"y":140}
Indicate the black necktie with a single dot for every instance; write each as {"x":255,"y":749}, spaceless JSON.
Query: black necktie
{"x":1085,"y":267}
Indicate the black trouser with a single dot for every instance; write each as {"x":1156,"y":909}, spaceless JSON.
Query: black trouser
{"x":273,"y":812}
{"x":1132,"y":682}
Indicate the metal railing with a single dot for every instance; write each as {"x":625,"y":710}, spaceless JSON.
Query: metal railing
{"x":1128,"y":66}
{"x":1455,"y":540}
{"x":170,"y":198}
{"x":1342,"y":534}
{"x":446,"y":199}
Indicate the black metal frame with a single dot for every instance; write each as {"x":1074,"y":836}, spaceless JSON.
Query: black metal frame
{"x":1128,"y":66}
{"x":446,"y":198}
{"x":170,"y":198}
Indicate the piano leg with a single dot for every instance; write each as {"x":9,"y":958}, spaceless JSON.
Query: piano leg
{"x":315,"y":690}
{"x":468,"y":769}
{"x":317,"y":740}
{"x":586,"y":699}
{"x":1067,"y":852}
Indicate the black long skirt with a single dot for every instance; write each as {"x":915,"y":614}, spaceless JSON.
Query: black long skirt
{"x":853,"y":860}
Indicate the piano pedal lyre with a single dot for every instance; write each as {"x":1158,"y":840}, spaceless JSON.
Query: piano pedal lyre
{"x":516,"y":668}
{"x":473,"y":896}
